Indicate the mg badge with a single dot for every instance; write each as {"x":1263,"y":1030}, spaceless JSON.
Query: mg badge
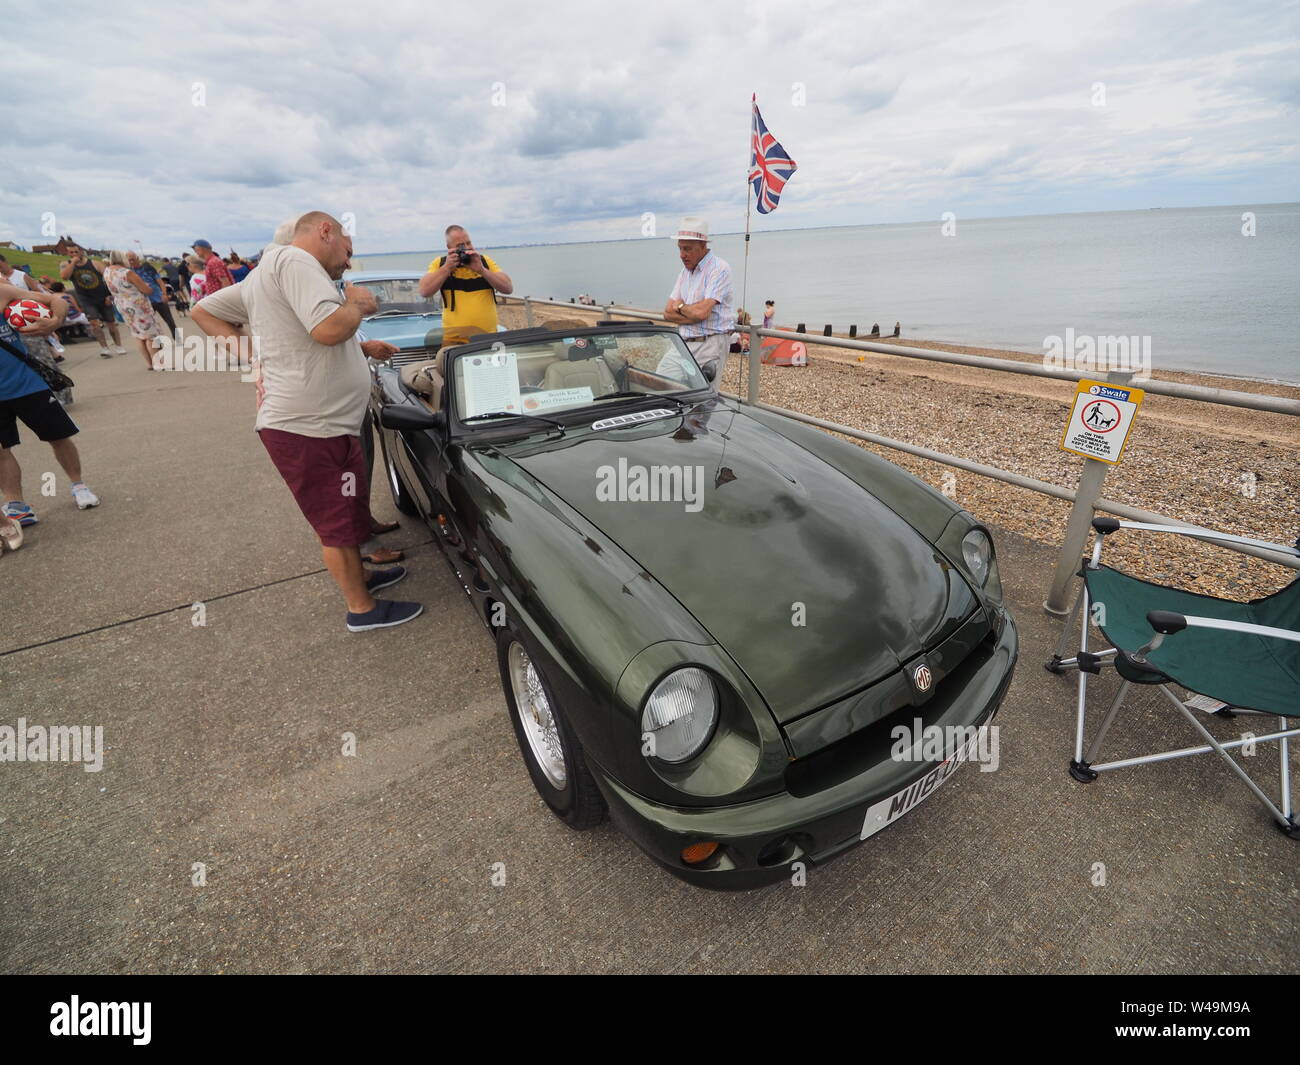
{"x":922,"y":678}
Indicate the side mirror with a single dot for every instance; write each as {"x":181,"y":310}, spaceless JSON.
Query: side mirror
{"x":710,"y":370}
{"x":407,"y":417}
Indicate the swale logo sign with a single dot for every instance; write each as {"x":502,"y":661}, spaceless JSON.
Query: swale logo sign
{"x":75,"y":1017}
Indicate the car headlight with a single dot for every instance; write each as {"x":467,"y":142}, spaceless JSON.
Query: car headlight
{"x":977,"y":551}
{"x":680,"y":715}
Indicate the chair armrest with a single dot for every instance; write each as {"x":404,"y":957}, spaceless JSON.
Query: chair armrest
{"x":1238,"y":626}
{"x":1104,"y":526}
{"x":1166,"y":622}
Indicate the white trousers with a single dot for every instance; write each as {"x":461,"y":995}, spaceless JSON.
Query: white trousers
{"x":713,"y":348}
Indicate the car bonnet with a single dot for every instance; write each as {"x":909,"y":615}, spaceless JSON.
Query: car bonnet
{"x":809,"y":582}
{"x":407,"y":331}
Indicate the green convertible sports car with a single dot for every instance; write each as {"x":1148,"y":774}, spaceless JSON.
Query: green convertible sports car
{"x":711,"y":620}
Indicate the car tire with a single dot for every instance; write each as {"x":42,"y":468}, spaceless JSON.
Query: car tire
{"x":551,"y":751}
{"x":402,"y":499}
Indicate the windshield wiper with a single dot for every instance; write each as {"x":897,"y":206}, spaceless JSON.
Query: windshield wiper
{"x":681,"y":403}
{"x":507,"y":414}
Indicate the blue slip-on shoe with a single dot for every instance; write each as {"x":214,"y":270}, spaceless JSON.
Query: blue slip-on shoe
{"x":383,"y":578}
{"x":385,"y":615}
{"x":20,"y":512}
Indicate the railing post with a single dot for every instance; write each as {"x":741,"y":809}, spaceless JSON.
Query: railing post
{"x":1080,"y":523}
{"x":528,"y":310}
{"x":755,"y":364}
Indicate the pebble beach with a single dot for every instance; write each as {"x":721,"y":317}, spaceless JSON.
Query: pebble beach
{"x":1215,"y":466}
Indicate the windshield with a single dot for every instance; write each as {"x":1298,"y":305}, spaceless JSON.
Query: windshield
{"x":401,"y":294}
{"x":565,"y":374}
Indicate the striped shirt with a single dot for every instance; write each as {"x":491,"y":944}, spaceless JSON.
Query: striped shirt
{"x":710,"y":280}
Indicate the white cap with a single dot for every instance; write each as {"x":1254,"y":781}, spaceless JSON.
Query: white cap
{"x":693,"y":227}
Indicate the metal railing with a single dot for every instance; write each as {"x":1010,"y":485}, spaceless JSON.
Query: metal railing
{"x":1085,"y":500}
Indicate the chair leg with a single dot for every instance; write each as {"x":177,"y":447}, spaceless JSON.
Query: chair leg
{"x":1078,"y":769}
{"x":1111,"y":713}
{"x":1062,"y":645}
{"x":1286,"y":823}
{"x":1292,"y":829}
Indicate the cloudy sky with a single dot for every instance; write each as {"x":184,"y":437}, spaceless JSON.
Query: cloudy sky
{"x":560,"y":122}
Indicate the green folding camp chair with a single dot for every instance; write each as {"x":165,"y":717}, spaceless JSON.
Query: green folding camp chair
{"x":1235,"y":658}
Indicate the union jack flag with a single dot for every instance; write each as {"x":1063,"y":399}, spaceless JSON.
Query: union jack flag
{"x":770,"y":167}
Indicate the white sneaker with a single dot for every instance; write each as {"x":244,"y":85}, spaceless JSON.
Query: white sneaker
{"x":119,"y":350}
{"x":84,"y":496}
{"x":104,"y":353}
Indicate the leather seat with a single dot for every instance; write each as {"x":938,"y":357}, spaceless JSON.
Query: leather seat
{"x":424,"y":379}
{"x":589,"y":372}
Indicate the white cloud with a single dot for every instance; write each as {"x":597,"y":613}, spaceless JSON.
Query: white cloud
{"x":907,"y":110}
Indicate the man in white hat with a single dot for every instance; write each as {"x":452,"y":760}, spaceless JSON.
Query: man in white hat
{"x":702,"y":304}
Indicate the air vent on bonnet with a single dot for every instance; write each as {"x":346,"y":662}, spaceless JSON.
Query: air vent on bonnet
{"x":633,"y":418}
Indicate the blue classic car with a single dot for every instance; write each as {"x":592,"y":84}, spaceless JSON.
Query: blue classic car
{"x":404,"y":318}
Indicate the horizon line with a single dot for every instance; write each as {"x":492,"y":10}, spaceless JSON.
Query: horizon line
{"x":852,"y":225}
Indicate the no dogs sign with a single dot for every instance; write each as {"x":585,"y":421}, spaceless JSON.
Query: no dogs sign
{"x":1100,"y":420}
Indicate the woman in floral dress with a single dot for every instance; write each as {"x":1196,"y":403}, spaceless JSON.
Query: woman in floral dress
{"x":131,"y":296}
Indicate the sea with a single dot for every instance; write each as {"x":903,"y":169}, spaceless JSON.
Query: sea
{"x":1209,"y":289}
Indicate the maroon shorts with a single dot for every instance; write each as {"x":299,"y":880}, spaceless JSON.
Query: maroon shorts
{"x":328,"y":478}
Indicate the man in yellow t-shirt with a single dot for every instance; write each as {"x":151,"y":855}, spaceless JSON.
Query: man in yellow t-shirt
{"x":469,"y":282}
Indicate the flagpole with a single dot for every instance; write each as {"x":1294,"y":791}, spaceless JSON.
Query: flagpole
{"x":744,"y":283}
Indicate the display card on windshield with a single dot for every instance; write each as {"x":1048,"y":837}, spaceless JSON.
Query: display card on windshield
{"x":491,"y":383}
{"x":557,"y":397}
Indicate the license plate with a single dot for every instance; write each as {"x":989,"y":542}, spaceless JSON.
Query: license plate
{"x":887,"y":811}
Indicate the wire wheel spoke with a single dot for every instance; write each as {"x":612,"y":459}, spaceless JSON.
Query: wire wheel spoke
{"x":539,"y":724}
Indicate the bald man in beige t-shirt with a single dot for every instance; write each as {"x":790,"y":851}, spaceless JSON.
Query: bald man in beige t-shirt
{"x":316,"y":383}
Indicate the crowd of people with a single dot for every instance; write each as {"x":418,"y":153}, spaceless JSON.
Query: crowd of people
{"x":123,"y":288}
{"x":92,"y":297}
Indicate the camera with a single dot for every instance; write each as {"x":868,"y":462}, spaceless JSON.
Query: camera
{"x":464,"y":256}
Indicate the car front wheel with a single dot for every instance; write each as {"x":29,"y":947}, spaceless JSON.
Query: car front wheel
{"x":551,"y":751}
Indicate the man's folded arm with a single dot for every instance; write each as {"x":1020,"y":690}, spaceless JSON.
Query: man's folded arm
{"x":337,"y":326}
{"x":219,"y":314}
